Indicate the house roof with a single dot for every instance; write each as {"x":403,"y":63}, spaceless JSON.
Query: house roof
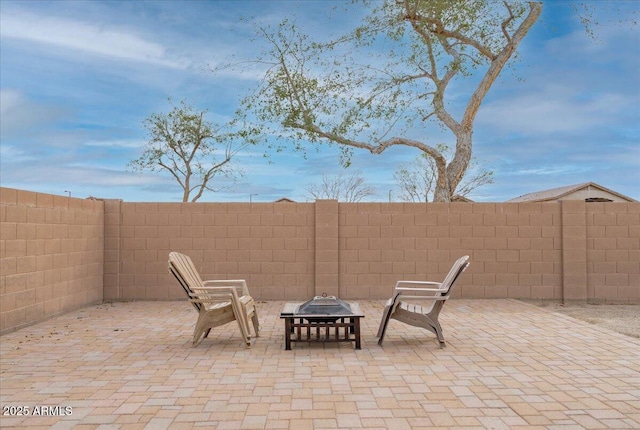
{"x":560,"y":192}
{"x":458,"y":198}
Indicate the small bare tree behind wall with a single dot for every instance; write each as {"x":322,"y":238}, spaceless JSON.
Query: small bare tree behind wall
{"x":190,"y":149}
{"x":345,"y":188}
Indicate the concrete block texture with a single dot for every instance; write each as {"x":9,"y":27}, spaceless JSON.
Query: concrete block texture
{"x":52,"y":254}
{"x":58,"y":252}
{"x":359,"y":249}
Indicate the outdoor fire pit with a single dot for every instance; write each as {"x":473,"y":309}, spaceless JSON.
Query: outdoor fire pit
{"x":322,"y":319}
{"x":324,"y":308}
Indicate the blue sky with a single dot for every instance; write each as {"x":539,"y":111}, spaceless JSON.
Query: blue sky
{"x":78,"y":78}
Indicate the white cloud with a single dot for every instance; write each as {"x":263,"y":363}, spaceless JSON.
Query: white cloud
{"x":18,"y":114}
{"x":547,"y":170}
{"x":116,"y":143}
{"x":12,"y":154}
{"x":85,"y":37}
{"x":80,"y":174}
{"x":9,"y":99}
{"x":553,"y":109}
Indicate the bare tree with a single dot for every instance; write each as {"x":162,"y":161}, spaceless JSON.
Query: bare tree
{"x":346,"y":188}
{"x":191,"y":149}
{"x":414,"y":50}
{"x":417,"y":178}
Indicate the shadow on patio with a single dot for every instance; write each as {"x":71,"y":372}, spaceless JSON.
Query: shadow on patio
{"x":507,"y":364}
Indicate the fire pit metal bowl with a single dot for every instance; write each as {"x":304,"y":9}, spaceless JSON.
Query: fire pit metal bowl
{"x":320,"y":306}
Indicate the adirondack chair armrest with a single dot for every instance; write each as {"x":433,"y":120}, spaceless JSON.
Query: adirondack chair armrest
{"x":424,"y":297}
{"x":206,"y":301}
{"x":227,"y":288}
{"x":411,"y":283}
{"x":239,"y":284}
{"x":402,"y":289}
{"x":214,"y":293}
{"x":421,"y":293}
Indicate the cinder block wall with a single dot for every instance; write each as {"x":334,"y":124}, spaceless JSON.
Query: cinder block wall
{"x":51,"y":256}
{"x":613,"y":252}
{"x":286,"y":251}
{"x":59,"y":253}
{"x":271,"y":245}
{"x":515,"y":249}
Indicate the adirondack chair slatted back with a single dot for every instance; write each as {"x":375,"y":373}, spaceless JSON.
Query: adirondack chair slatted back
{"x":458,"y":267}
{"x":185,"y":272}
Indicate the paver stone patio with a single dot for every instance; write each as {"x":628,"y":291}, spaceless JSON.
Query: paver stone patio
{"x":507,"y":365}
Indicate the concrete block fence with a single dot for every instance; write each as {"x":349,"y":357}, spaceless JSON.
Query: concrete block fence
{"x":60,"y":253}
{"x":51,"y":256}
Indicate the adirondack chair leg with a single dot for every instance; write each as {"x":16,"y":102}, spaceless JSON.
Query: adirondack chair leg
{"x":198,"y":336}
{"x":384,"y":331}
{"x":243,"y":332}
{"x":389,"y":308}
{"x":196,"y":339}
{"x":256,"y":323}
{"x":384,"y":320}
{"x":439,"y":334}
{"x":440,"y":337}
{"x":250,"y":309}
{"x":200,"y":331}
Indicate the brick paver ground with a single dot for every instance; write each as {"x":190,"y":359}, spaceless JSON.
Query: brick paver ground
{"x":507,"y":365}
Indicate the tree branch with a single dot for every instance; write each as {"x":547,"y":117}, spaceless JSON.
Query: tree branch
{"x":535,"y":8}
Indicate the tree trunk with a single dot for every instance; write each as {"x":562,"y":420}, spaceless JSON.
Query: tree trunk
{"x":185,"y":195}
{"x":442,"y":193}
{"x":458,"y":166}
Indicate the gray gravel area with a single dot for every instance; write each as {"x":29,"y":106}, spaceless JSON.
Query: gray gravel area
{"x":623,"y":319}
